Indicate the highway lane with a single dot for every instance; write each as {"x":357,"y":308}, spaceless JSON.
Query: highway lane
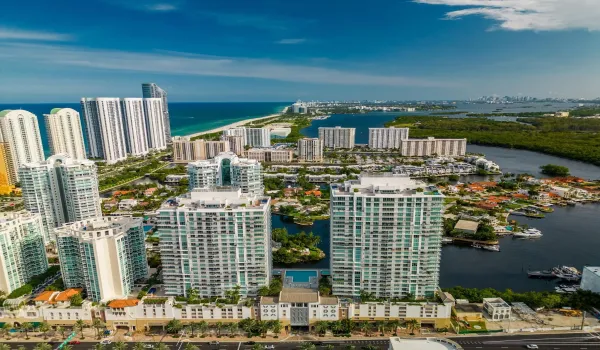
{"x":582,"y":341}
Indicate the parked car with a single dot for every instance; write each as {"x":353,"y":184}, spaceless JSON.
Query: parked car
{"x":269,"y":347}
{"x":106,"y":342}
{"x":74,"y":342}
{"x":532,"y":346}
{"x":250,"y":342}
{"x":214,"y":342}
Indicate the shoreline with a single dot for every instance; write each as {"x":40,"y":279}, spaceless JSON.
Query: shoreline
{"x":237,"y":124}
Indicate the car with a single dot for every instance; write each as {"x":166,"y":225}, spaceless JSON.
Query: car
{"x":214,"y":342}
{"x":106,"y":342}
{"x":148,"y":346}
{"x":317,"y":343}
{"x":532,"y":346}
{"x":269,"y":347}
{"x":74,"y":342}
{"x":250,"y":342}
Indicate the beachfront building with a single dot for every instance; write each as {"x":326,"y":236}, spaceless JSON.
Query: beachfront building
{"x":385,"y":236}
{"x":214,"y":239}
{"x":240,"y":132}
{"x":227,"y":169}
{"x":60,"y":189}
{"x":7,"y":183}
{"x":270,"y":155}
{"x":299,"y":307}
{"x":20,"y":133}
{"x":432,"y":146}
{"x":337,"y":137}
{"x":105,"y":128}
{"x":65,"y":134}
{"x":236,"y":144}
{"x":151,"y":91}
{"x":387,"y":138}
{"x":496,"y":309}
{"x":22,"y":252}
{"x":186,"y":150}
{"x":105,"y":255}
{"x":136,"y":129}
{"x":299,"y":108}
{"x":258,"y":137}
{"x":310,"y":150}
{"x":155,"y":122}
{"x":434,"y":314}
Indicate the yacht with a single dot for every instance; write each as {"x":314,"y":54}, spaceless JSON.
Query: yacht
{"x":492,"y":247}
{"x":529,"y":233}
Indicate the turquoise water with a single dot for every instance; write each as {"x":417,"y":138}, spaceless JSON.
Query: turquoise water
{"x":300,"y":276}
{"x":186,"y":117}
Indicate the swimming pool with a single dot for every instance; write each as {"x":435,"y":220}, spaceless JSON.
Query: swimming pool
{"x":300,"y":276}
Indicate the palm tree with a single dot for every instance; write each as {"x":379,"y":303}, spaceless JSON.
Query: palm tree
{"x":257,"y":347}
{"x":190,"y":346}
{"x":79,"y":324}
{"x":174,"y":326}
{"x":329,"y":347}
{"x":44,"y":328}
{"x":97,"y":324}
{"x":136,"y":346}
{"x":369,"y":347}
{"x":336,"y":327}
{"x":61,"y":330}
{"x":42,"y":346}
{"x":232,"y":329}
{"x":202,"y":328}
{"x":4,"y":346}
{"x":119,"y":346}
{"x":21,"y":347}
{"x":193,"y":326}
{"x":6,"y":330}
{"x":321,"y":327}
{"x":379,"y":325}
{"x":276,"y":328}
{"x":102,"y":347}
{"x":262,"y":328}
{"x":67,"y":347}
{"x":308,"y":346}
{"x":350,"y":347}
{"x":26,"y":327}
{"x":412,"y":325}
{"x":393,"y":325}
{"x":219,"y":327}
{"x":365,"y":327}
{"x":162,"y":346}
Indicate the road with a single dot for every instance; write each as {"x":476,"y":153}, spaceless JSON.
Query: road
{"x":579,"y":341}
{"x":568,"y":341}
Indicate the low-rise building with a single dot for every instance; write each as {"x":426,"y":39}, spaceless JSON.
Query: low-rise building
{"x":434,"y":314}
{"x":496,"y":309}
{"x":270,"y":155}
{"x":127,"y":204}
{"x":467,"y":226}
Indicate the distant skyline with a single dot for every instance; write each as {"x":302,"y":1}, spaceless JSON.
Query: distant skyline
{"x":269,"y":50}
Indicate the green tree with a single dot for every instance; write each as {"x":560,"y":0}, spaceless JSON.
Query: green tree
{"x":98,"y":325}
{"x":350,"y":347}
{"x":174,"y":326}
{"x":329,"y":347}
{"x":307,"y":346}
{"x":4,"y":346}
{"x":202,"y":328}
{"x":119,"y":346}
{"x":6,"y":327}
{"x":413,"y":325}
{"x":76,"y":300}
{"x":321,"y":327}
{"x":554,"y":170}
{"x":366,"y":328}
{"x":257,"y":347}
{"x":136,"y":346}
{"x":369,"y":347}
{"x":67,"y":347}
{"x":276,"y":327}
{"x":42,"y":346}
{"x":218,"y":328}
{"x":26,"y":327}
{"x":80,"y":325}
{"x":232,"y":329}
{"x":44,"y":328}
{"x":162,"y":346}
{"x":190,"y":346}
{"x":21,"y":347}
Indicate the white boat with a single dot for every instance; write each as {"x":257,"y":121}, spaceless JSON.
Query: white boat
{"x":529,"y":233}
{"x":490,"y":247}
{"x":446,"y":240}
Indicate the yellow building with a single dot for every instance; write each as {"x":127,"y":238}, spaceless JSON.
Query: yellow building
{"x":6,"y":183}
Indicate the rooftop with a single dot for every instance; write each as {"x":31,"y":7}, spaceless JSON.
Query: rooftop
{"x":468,"y":308}
{"x":593,"y":269}
{"x":386,"y":184}
{"x":496,"y":302}
{"x":217,"y":198}
{"x":122,"y":303}
{"x":466,"y":225}
{"x":423,"y":344}
{"x":298,"y":295}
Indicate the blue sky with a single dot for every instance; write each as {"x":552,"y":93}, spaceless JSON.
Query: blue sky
{"x":273,"y":50}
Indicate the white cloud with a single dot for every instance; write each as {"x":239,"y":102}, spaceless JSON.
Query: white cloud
{"x":540,"y":15}
{"x":172,"y":63}
{"x":162,"y":7}
{"x":20,"y":35}
{"x":291,"y":41}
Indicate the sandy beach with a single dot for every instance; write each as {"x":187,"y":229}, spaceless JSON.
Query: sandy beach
{"x":237,"y":124}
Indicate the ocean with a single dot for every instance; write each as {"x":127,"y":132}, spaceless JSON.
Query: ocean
{"x":186,"y":117}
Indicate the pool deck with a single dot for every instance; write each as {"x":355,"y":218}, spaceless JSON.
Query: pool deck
{"x":312,"y":283}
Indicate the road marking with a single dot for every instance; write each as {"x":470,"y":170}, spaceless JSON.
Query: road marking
{"x":239,"y":345}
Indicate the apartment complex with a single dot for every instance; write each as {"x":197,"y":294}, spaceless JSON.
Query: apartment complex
{"x":20,"y":133}
{"x":253,"y":137}
{"x":60,"y":189}
{"x":310,"y":150}
{"x":104,"y":255}
{"x":337,"y":137}
{"x":22,"y":252}
{"x":270,"y":155}
{"x":105,"y":128}
{"x":135,"y":126}
{"x":65,"y":134}
{"x":432,"y":146}
{"x":186,"y":150}
{"x":236,"y":144}
{"x":385,"y":236}
{"x":117,"y":127}
{"x":215,"y":239}
{"x":387,"y":138}
{"x":151,"y":91}
{"x":227,"y":169}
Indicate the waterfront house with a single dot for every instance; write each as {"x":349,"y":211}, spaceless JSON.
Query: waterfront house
{"x":496,"y":309}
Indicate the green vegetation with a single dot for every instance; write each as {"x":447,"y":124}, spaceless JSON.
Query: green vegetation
{"x":33,"y":283}
{"x":325,"y":286}
{"x":272,"y":289}
{"x":214,"y":136}
{"x":155,"y":301}
{"x":298,"y":123}
{"x":585,"y":112}
{"x":500,"y":114}
{"x":581,"y":300}
{"x":484,"y":232}
{"x":565,"y":137}
{"x":554,"y":170}
{"x":296,"y":248}
{"x":161,"y":175}
{"x":76,"y":300}
{"x":129,"y":174}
